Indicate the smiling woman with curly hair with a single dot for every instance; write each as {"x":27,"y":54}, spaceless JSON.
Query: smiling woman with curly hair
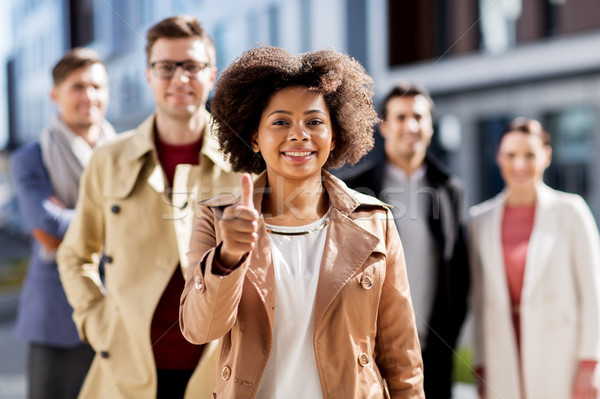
{"x":244,"y":89}
{"x":302,"y":279}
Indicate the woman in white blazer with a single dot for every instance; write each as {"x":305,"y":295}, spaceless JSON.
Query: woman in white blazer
{"x":536,"y":280}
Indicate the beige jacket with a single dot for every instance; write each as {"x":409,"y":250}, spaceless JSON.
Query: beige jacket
{"x":364,"y":323}
{"x":125,"y":208}
{"x":560,"y":300}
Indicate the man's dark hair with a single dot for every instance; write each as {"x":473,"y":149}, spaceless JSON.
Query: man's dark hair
{"x":404,"y":89}
{"x":179,"y":26}
{"x":73,"y":60}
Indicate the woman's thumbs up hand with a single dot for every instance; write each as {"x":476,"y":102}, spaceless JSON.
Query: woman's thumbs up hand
{"x":239,"y":225}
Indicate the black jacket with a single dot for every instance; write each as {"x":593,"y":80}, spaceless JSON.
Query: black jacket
{"x":452,"y":286}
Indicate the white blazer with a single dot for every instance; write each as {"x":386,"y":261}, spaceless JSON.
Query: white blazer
{"x":560,"y":301}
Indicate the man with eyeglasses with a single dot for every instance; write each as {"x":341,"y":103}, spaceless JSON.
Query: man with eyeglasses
{"x":137,"y":209}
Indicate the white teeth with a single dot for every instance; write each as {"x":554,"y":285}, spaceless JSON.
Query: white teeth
{"x":297,"y":154}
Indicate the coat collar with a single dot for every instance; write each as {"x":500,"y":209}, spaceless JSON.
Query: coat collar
{"x":343,"y":199}
{"x":143,"y":142}
{"x":543,"y":238}
{"x":139,"y":150}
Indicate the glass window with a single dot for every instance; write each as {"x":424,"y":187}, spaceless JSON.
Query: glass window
{"x":356,"y":30}
{"x":220,"y":45}
{"x":252,"y":26}
{"x":146,"y":12}
{"x":82,"y":22}
{"x":498,"y":22}
{"x":572,"y":133}
{"x":306,"y":18}
{"x":489,"y":132}
{"x":273,"y":13}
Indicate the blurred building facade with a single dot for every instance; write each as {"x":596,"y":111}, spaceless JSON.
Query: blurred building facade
{"x":484,"y":61}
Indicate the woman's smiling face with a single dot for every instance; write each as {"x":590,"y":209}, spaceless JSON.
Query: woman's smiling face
{"x":522,"y":159}
{"x":295,"y":134}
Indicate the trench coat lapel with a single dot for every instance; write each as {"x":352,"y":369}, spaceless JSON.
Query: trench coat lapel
{"x":543,"y":238}
{"x":138,"y":152}
{"x":492,"y":243}
{"x":348,"y":246}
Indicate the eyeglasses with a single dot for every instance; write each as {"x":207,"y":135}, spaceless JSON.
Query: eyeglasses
{"x":166,"y":69}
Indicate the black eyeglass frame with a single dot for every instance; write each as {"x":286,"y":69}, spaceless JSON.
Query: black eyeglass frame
{"x":175,"y":64}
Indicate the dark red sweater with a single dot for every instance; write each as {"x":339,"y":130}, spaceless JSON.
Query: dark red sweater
{"x":171,"y":350}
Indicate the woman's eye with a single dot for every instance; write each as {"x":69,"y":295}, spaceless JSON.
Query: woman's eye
{"x":315,"y":122}
{"x":279,"y":122}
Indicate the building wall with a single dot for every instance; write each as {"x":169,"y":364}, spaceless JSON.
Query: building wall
{"x":546,"y":77}
{"x":40,"y":39}
{"x":550,"y":71}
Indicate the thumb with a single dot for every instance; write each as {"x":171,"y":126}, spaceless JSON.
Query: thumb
{"x":247,"y":190}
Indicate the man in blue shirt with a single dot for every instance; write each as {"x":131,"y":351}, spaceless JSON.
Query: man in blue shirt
{"x":46,"y":176}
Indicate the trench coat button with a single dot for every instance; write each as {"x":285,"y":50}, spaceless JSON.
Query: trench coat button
{"x":198,"y":283}
{"x":115,"y":209}
{"x":108,"y":259}
{"x":363,"y":359}
{"x":366,"y":282}
{"x":104,"y":354}
{"x":226,"y":373}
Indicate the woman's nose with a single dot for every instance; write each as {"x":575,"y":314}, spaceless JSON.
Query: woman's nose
{"x":299,"y":134}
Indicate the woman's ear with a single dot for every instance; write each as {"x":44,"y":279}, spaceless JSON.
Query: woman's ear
{"x":333,"y":136}
{"x":254,"y":142}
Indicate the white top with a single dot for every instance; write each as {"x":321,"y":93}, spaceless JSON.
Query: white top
{"x":412,"y":198}
{"x":292,"y":369}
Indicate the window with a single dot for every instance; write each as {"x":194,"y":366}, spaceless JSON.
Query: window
{"x":252,"y":23}
{"x":273,"y":14}
{"x":146,"y":12}
{"x":305,"y":17}
{"x":572,"y":133}
{"x":489,"y":132}
{"x":82,"y":22}
{"x":411,"y":31}
{"x":428,"y":29}
{"x":356,"y":30}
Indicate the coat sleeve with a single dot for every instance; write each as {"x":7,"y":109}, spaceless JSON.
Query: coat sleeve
{"x":586,"y":257}
{"x":209,"y":302}
{"x":460,"y":270}
{"x":398,"y":353}
{"x":477,"y":299}
{"x":78,"y":257}
{"x":34,"y":189}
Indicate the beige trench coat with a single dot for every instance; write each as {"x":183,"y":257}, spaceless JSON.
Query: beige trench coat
{"x":364,"y":323}
{"x":125,"y":209}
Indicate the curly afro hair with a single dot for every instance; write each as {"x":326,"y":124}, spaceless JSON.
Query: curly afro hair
{"x":244,"y":89}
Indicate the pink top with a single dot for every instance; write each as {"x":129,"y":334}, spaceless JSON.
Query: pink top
{"x":517,"y":225}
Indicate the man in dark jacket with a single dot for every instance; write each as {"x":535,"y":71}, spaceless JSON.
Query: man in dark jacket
{"x":427,"y":206}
